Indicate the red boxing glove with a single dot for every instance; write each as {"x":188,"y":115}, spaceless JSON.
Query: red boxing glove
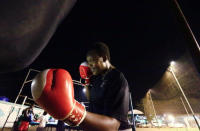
{"x":52,"y":89}
{"x":85,"y":72}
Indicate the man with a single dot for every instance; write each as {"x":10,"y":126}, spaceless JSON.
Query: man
{"x":27,"y":115}
{"x":43,"y":121}
{"x":108,"y":94}
{"x":108,"y":91}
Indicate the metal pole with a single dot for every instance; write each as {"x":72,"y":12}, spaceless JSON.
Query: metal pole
{"x":133,"y":119}
{"x":192,"y":42}
{"x":34,"y":70}
{"x":78,"y":83}
{"x":13,"y":107}
{"x":28,"y":81}
{"x":184,"y":96}
{"x":153,"y":106}
{"x":21,"y":107}
{"x":25,"y":97}
{"x":185,"y":110}
{"x":22,"y":85}
{"x":184,"y":106}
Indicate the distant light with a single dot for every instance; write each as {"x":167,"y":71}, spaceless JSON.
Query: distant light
{"x":172,"y":63}
{"x":84,"y":90}
{"x":171,"y":118}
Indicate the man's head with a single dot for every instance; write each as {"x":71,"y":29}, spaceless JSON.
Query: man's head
{"x":44,"y":113}
{"x":32,"y":105}
{"x":98,"y":58}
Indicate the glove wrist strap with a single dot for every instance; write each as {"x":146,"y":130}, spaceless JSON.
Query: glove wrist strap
{"x":76,"y":116}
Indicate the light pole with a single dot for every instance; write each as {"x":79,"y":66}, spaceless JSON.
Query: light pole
{"x":153,"y":107}
{"x":188,"y":125}
{"x":171,"y":70}
{"x":192,"y":43}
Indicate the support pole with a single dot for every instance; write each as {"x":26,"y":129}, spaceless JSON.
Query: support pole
{"x":133,"y":119}
{"x":21,"y":107}
{"x":185,"y":110}
{"x":188,"y":34}
{"x":153,"y":106}
{"x":184,"y":96}
{"x":13,"y":107}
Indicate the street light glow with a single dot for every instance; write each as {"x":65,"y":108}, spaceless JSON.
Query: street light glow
{"x":171,"y":70}
{"x":172,"y":63}
{"x":84,"y":90}
{"x":171,"y":118}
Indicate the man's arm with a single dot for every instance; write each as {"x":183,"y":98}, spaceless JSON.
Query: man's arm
{"x":96,"y":122}
{"x":59,"y":84}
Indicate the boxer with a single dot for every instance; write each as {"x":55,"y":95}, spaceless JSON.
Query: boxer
{"x":108,"y":93}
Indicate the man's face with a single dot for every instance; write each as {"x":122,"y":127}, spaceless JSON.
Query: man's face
{"x":96,"y":64}
{"x":31,"y":106}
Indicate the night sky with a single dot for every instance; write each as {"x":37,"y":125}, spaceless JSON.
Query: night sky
{"x":143,"y":36}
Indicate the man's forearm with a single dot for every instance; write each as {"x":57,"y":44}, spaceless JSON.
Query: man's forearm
{"x":96,"y":122}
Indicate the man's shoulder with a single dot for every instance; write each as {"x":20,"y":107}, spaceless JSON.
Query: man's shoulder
{"x":115,"y":74}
